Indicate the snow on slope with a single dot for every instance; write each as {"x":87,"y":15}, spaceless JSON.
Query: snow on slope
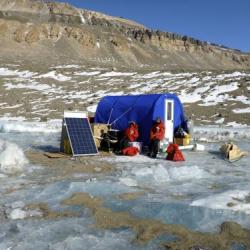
{"x":78,"y":87}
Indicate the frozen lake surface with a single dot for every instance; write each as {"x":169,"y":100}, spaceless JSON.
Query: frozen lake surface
{"x":200,"y":193}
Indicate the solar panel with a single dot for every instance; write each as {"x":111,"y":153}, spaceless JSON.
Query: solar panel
{"x":80,"y":136}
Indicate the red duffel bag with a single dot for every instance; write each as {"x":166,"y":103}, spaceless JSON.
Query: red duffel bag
{"x":174,"y":153}
{"x":130,"y":151}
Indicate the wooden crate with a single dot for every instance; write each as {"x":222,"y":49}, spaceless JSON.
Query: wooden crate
{"x":98,"y":129}
{"x":67,"y":147}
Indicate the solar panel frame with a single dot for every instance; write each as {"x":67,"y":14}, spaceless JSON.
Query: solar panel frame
{"x":76,"y":131}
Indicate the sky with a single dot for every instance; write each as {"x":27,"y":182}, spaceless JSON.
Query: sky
{"x":225,"y":22}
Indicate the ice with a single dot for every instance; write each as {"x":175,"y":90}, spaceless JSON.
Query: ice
{"x":199,"y":193}
{"x":158,"y":175}
{"x":128,"y":182}
{"x":98,"y":188}
{"x":235,"y":200}
{"x":52,"y":126}
{"x":214,"y":133}
{"x":187,"y":173}
{"x":137,"y":159}
{"x":17,"y":214}
{"x":12,"y":158}
{"x":70,"y":234}
{"x":107,"y":241}
{"x":18,"y":204}
{"x":155,"y":174}
{"x":237,"y":125}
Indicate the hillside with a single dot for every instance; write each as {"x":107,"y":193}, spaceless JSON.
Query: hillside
{"x":49,"y":32}
{"x":209,"y":97}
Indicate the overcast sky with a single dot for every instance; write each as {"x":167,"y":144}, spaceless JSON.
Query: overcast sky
{"x":225,"y":22}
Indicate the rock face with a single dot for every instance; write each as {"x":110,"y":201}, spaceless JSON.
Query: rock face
{"x":50,"y":32}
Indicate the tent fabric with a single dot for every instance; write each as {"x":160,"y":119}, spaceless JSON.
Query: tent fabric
{"x":143,"y":109}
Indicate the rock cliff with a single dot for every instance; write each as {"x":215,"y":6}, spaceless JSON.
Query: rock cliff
{"x":47,"y":32}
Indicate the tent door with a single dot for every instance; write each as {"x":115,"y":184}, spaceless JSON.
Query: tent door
{"x":169,"y":120}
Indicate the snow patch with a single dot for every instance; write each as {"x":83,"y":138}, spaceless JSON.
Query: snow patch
{"x":237,"y":125}
{"x":220,"y":121}
{"x":17,"y":214}
{"x":234,"y":74}
{"x":195,"y":96}
{"x":218,"y":95}
{"x":83,"y":21}
{"x":242,"y":98}
{"x":114,"y":73}
{"x":12,"y":158}
{"x":86,"y":73}
{"x":70,"y":66}
{"x":31,"y":85}
{"x":55,"y":76}
{"x":235,"y":200}
{"x":240,"y":111}
{"x":22,"y":74}
{"x":92,"y":108}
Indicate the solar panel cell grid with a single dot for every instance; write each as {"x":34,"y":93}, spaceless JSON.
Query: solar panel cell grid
{"x":80,"y":135}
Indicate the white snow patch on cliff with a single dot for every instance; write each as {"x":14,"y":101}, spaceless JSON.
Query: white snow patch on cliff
{"x":241,"y":111}
{"x":55,"y":76}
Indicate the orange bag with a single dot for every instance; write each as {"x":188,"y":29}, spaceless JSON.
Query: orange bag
{"x":174,"y":153}
{"x":130,"y":151}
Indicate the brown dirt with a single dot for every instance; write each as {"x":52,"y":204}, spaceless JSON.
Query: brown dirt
{"x":148,"y":229}
{"x":131,"y":196}
{"x":68,"y":166}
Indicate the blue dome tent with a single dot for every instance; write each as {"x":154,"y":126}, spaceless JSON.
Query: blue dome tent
{"x":143,"y":109}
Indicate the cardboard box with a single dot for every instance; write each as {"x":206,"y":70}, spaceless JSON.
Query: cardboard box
{"x":98,"y":129}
